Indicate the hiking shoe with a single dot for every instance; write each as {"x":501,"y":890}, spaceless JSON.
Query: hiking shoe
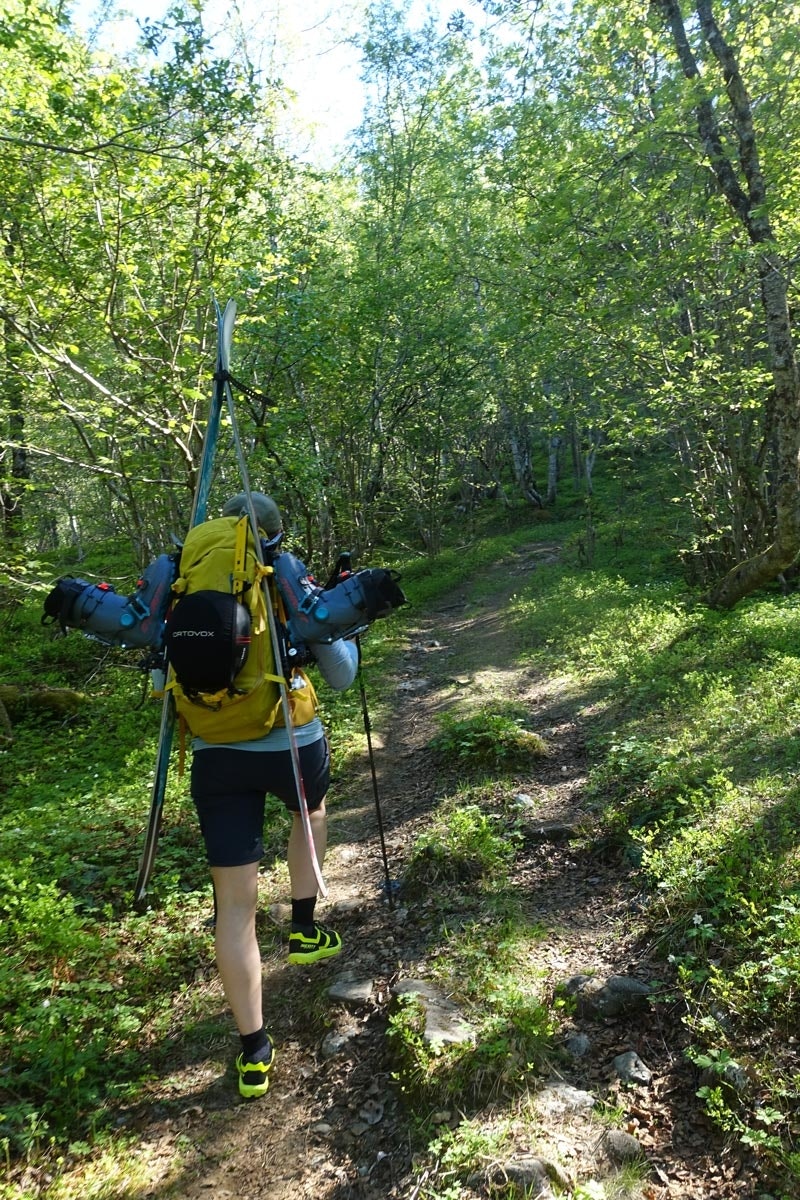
{"x":311,"y":947}
{"x":254,"y":1076}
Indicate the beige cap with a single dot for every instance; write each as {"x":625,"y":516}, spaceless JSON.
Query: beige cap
{"x":266,"y":510}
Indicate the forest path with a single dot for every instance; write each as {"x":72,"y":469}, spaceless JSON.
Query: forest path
{"x":333,"y":1126}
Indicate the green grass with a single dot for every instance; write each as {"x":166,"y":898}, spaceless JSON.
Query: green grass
{"x":482,"y":947}
{"x":462,"y":844}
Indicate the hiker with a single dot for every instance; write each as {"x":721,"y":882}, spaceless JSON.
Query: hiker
{"x":207,"y":611}
{"x":229,"y":782}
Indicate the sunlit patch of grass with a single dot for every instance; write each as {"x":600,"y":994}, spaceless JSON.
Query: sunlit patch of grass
{"x":487,"y":958}
{"x":594,"y":622}
{"x":489,"y":738}
{"x":123,"y":1167}
{"x":483,"y":960}
{"x":629,"y":1182}
{"x":507,"y":1049}
{"x":485,"y":966}
{"x":463,"y":844}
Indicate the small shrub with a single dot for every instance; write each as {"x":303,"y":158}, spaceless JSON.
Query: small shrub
{"x":488,"y":738}
{"x":460,"y":1153}
{"x":765,"y":985}
{"x":512,"y":1040}
{"x":462,"y":845}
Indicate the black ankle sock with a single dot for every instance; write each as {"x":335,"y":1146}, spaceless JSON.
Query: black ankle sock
{"x":303,"y":914}
{"x":253,"y":1045}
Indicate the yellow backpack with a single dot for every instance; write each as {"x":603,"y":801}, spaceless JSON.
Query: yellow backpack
{"x":218,"y":642}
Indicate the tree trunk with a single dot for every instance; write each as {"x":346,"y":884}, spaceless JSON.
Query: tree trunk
{"x":518,"y":439}
{"x":588,"y":469}
{"x":521,"y":458}
{"x":552,"y":469}
{"x":17,"y":472}
{"x":748,"y":199}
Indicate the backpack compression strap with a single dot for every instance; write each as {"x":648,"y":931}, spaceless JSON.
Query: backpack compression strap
{"x":239,"y":577}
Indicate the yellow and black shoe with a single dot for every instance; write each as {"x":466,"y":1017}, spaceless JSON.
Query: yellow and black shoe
{"x":311,"y":947}
{"x":254,"y":1076}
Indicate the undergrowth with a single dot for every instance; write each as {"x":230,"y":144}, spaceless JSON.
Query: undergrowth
{"x":692,"y":717}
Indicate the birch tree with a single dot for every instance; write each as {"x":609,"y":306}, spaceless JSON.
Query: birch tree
{"x":731,"y":143}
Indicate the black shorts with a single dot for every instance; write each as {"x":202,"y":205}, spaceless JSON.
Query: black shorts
{"x":229,"y":788}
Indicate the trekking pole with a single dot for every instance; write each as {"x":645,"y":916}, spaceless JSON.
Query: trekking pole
{"x":344,"y":567}
{"x":389,"y":885}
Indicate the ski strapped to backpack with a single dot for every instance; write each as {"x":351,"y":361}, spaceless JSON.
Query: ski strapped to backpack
{"x":202,"y":490}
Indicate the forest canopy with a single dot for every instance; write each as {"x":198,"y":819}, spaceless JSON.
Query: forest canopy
{"x":570,"y":235}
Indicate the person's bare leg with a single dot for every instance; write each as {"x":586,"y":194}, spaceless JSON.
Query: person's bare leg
{"x":301,"y":872}
{"x":238,"y":955}
{"x":309,"y":941}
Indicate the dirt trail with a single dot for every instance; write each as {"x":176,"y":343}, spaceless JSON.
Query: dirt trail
{"x":313,"y":1135}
